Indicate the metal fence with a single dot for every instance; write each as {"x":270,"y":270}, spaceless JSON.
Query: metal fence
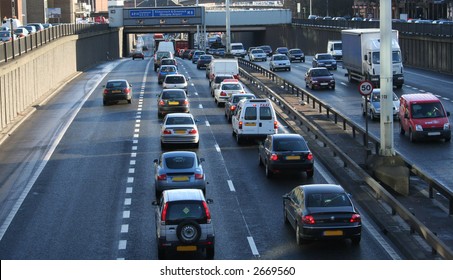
{"x":425,"y":29}
{"x":13,"y":49}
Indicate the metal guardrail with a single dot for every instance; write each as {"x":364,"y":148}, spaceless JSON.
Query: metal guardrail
{"x":13,"y":49}
{"x":425,"y":29}
{"x":397,"y":208}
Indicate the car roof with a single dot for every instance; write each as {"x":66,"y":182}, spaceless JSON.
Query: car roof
{"x":242,"y":94}
{"x":179,"y":115}
{"x":183,"y":194}
{"x":419,"y":97}
{"x":173,"y":89}
{"x":117,"y":80}
{"x":230,"y":81}
{"x":322,"y":188}
{"x":179,"y":153}
{"x":287,"y":136}
{"x":323,"y":54}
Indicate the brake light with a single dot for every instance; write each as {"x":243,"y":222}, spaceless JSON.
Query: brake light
{"x":236,"y":76}
{"x":355,"y":218}
{"x":232,"y":107}
{"x":193,"y":131}
{"x":206,"y":210}
{"x":310,"y":156}
{"x":166,"y":131}
{"x":273,"y":157}
{"x":186,"y":102}
{"x":308,"y":219}
{"x":161,"y":103}
{"x":240,"y":125}
{"x":199,"y":176}
{"x":106,"y":91}
{"x":275,"y":125}
{"x":126,"y":90}
{"x":164,"y":213}
{"x":162,"y":177}
{"x":223,"y":93}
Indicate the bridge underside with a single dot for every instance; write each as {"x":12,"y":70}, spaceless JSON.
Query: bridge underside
{"x":188,"y":29}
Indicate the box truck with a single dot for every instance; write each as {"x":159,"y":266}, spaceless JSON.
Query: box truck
{"x":361,"y":56}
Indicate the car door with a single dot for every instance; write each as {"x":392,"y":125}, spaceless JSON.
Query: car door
{"x":266,"y":118}
{"x":292,"y":206}
{"x":250,"y":120}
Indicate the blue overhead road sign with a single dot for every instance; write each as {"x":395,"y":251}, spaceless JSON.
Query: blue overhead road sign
{"x":162,"y":13}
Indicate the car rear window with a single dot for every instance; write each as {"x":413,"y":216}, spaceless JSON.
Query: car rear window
{"x":220,"y":79}
{"x":174,"y":80}
{"x":236,"y":99}
{"x":179,"y":120}
{"x":320,"y":72}
{"x":173,"y":95}
{"x":265,"y":113}
{"x":178,"y":210}
{"x":328,"y":200}
{"x":284,"y":145}
{"x":231,"y":87}
{"x":115,"y":84}
{"x":250,"y":113}
{"x":179,"y":162}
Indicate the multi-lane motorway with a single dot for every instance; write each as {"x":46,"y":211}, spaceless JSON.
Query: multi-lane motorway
{"x":77,"y":177}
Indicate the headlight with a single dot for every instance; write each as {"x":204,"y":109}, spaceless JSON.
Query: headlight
{"x":332,"y":81}
{"x":418,"y":127}
{"x":446,"y":126}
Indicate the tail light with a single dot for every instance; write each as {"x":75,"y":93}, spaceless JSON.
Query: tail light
{"x":208,"y":214}
{"x":185,"y":102}
{"x":308,"y":219}
{"x":236,"y":76}
{"x":310,"y":156}
{"x":199,"y":176}
{"x":126,"y":90}
{"x":193,"y":131}
{"x":240,"y":125}
{"x":355,"y":218}
{"x":223,"y":93}
{"x":163,"y":217}
{"x":232,"y":107}
{"x":273,"y":157}
{"x":275,"y":125}
{"x":167,"y":131}
{"x":161,"y":103}
{"x":162,"y":177}
{"x":106,"y":91}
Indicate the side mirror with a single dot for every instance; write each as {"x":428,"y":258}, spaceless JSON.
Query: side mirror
{"x":156,"y":161}
{"x":285,"y":196}
{"x":202,"y":159}
{"x":103,"y":86}
{"x":209,"y":201}
{"x":448,"y":114}
{"x":155,"y":203}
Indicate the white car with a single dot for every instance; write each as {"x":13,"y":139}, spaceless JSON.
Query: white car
{"x":226,"y":89}
{"x":179,"y":128}
{"x":175,"y":81}
{"x":278,"y":62}
{"x":257,"y":54}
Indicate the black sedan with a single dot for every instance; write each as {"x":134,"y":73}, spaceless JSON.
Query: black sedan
{"x":172,"y":101}
{"x":204,"y":60}
{"x":320,"y":212}
{"x":319,"y":77}
{"x":285,"y":153}
{"x":116,"y":90}
{"x":324,"y":60}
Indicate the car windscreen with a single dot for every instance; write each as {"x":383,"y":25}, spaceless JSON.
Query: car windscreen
{"x":280,"y":57}
{"x":179,"y":210}
{"x":427,"y":110}
{"x":174,"y":80}
{"x":179,"y":162}
{"x":295,"y":52}
{"x":328,"y":200}
{"x":325,"y":57}
{"x":179,"y":121}
{"x":220,"y":79}
{"x":173,"y":95}
{"x":237,"y":47}
{"x":320,"y":72}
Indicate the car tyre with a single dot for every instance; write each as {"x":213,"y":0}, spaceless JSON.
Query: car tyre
{"x":104,"y":103}
{"x":299,"y":240}
{"x":129,"y":101}
{"x":285,"y":216}
{"x":411,"y":136}
{"x":447,"y":139}
{"x":160,"y":254}
{"x":356,"y":240}
{"x":402,"y":132}
{"x":210,"y":253}
{"x":188,"y":232}
{"x":268,"y":171}
{"x":238,"y":138}
{"x":310,"y":173}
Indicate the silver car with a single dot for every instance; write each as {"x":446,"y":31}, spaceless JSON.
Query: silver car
{"x":257,"y":54}
{"x":179,"y":128}
{"x":178,"y":170}
{"x":374,"y":105}
{"x":183,"y":223}
{"x":279,"y":62}
{"x":175,"y":81}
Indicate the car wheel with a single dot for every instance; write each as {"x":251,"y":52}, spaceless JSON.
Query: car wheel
{"x":260,"y":162}
{"x":447,"y":139}
{"x":298,"y":239}
{"x":285,"y":216}
{"x":196,"y":145}
{"x":104,"y":103}
{"x":129,"y":101}
{"x":289,"y":68}
{"x":356,"y":240}
{"x":333,"y":87}
{"x":310,"y":173}
{"x":210,"y":253}
{"x":399,"y":86}
{"x":238,"y":139}
{"x":311,"y":86}
{"x":372,"y":115}
{"x":268,"y":171}
{"x":162,"y":145}
{"x":160,"y":254}
{"x":411,"y":136}
{"x":188,"y":232}
{"x":402,"y":132}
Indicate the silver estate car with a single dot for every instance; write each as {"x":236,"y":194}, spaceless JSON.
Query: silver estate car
{"x":179,"y":128}
{"x":183,"y":223}
{"x":178,"y":170}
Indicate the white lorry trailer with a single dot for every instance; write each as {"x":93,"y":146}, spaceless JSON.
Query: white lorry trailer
{"x":361,"y":56}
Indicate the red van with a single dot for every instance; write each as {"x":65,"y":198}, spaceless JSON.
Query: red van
{"x":422,"y":116}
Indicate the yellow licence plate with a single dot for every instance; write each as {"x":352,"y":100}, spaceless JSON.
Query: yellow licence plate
{"x":292,"y":157}
{"x":173,"y":103}
{"x":186,"y":248}
{"x":333,"y":233}
{"x":250,"y":124}
{"x":180,"y":131}
{"x":117,"y":91}
{"x":180,"y":179}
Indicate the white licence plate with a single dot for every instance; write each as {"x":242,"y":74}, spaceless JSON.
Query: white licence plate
{"x":433,"y":133}
{"x":324,"y":84}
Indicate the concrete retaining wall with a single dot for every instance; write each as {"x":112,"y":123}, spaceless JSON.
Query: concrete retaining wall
{"x":26,"y":80}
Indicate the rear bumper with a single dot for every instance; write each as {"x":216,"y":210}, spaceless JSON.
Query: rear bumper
{"x":209,"y":242}
{"x":313,"y":233}
{"x":290,"y":167}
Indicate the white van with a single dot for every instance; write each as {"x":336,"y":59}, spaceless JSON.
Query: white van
{"x":7,"y":23}
{"x":335,"y":48}
{"x":254,"y":118}
{"x":166,"y":46}
{"x":223,"y":66}
{"x":237,"y":49}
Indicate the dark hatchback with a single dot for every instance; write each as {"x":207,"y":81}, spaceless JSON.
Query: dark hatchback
{"x":319,"y":77}
{"x":281,"y":50}
{"x":285,"y":153}
{"x":267,"y":49}
{"x":324,"y":60}
{"x":233,"y":100}
{"x":204,"y":60}
{"x":116,"y":90}
{"x":296,"y":55}
{"x":322,"y":212}
{"x":172,"y":101}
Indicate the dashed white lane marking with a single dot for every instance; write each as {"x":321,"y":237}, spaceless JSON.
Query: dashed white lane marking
{"x":134,"y":148}
{"x":133,"y":154}
{"x":132,"y":162}
{"x":217,"y":147}
{"x":131,"y":170}
{"x":125,"y":228}
{"x":200,"y":106}
{"x":126,"y":214}
{"x":129,"y":190}
{"x":127,"y":201}
{"x":122,"y":245}
{"x":207,"y":123}
{"x":253,"y":246}
{"x":130,"y":179}
{"x":231,"y":186}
